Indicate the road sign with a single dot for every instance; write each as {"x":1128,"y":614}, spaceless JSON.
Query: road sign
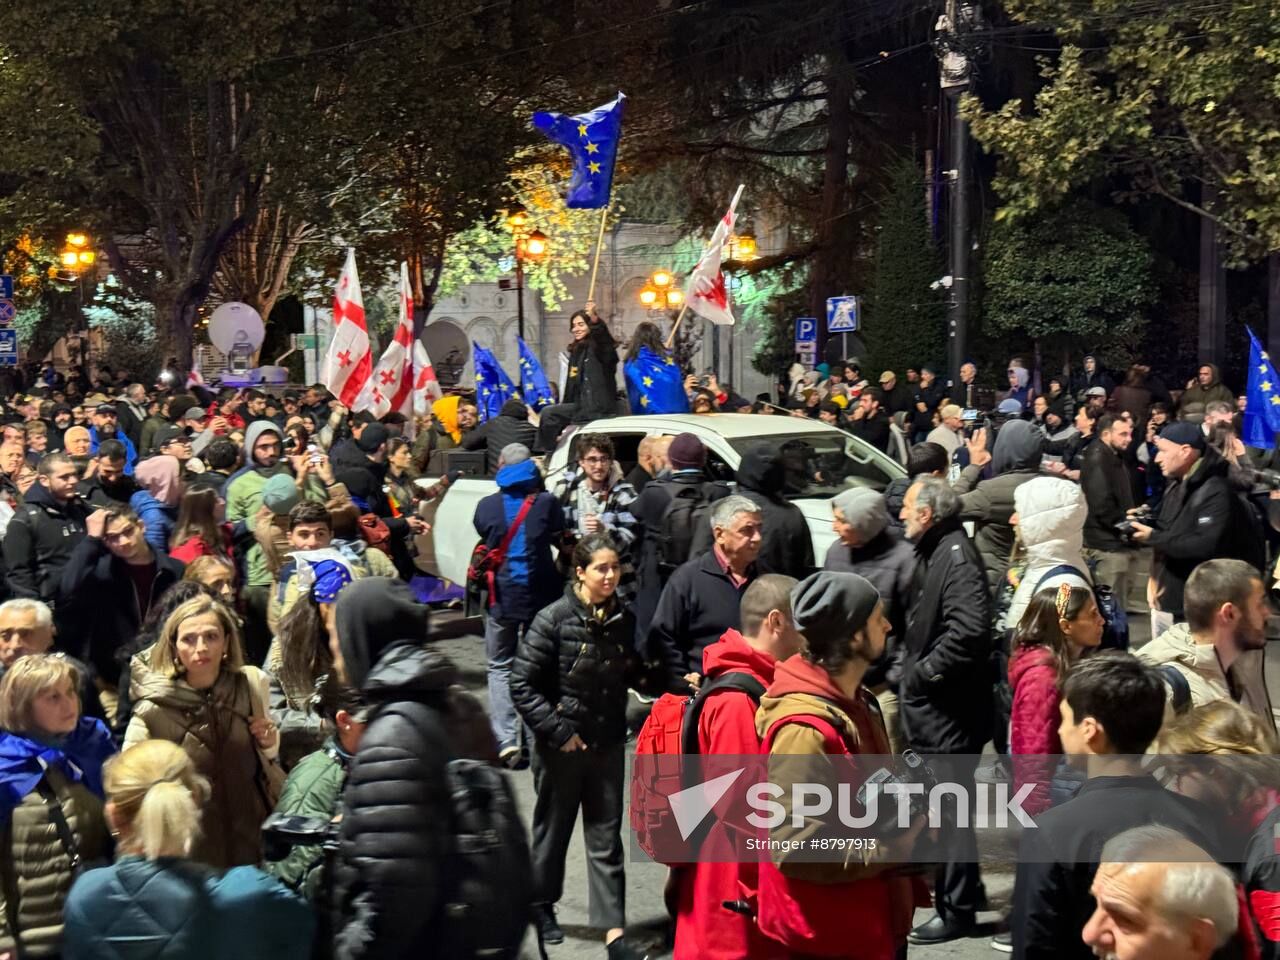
{"x":306,"y":341}
{"x":7,"y":311}
{"x":842,"y":314}
{"x":806,"y":329}
{"x":8,"y":348}
{"x":6,"y":286}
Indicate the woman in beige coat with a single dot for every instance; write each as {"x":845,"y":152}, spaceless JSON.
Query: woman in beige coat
{"x":198,"y":693}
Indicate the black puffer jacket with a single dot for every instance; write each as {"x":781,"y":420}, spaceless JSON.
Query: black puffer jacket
{"x":38,"y":544}
{"x":592,"y":385}
{"x":787,"y":546}
{"x":1105,"y":481}
{"x":944,"y":688}
{"x":391,"y":881}
{"x":570,"y":673}
{"x":510,"y":426}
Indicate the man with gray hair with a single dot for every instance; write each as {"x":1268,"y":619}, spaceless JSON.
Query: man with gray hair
{"x":701,"y":600}
{"x":946,"y":648}
{"x":26,"y":627}
{"x":1160,"y":897}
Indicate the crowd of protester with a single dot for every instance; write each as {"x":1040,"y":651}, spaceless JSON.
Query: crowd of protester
{"x":212,"y":621}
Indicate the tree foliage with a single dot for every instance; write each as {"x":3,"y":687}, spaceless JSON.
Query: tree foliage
{"x":904,"y":317}
{"x":1076,"y":276}
{"x":1178,"y":100}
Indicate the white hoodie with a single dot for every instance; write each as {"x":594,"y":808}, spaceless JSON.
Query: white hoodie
{"x":1051,"y":513}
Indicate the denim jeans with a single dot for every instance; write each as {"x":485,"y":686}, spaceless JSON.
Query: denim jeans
{"x":500,"y":638}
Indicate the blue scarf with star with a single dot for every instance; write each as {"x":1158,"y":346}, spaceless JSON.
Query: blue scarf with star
{"x":79,"y":756}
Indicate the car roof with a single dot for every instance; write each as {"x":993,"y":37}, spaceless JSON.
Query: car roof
{"x":731,"y":426}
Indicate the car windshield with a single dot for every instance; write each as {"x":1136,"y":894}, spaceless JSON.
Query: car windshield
{"x":821,"y":465}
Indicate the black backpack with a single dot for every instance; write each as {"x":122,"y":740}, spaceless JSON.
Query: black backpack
{"x":488,"y":903}
{"x":685,"y":528}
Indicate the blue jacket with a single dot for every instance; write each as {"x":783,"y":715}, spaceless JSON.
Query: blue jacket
{"x":130,"y":453}
{"x":172,"y":909}
{"x":529,"y":580}
{"x":157,"y":520}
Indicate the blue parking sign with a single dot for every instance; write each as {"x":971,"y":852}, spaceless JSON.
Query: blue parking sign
{"x":806,"y":329}
{"x":842,"y":314}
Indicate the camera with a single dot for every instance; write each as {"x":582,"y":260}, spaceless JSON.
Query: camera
{"x":281,"y":832}
{"x":1267,"y":478}
{"x":290,"y":443}
{"x":909,"y":768}
{"x":1142,"y":515}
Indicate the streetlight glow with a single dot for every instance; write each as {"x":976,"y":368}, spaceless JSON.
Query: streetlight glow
{"x":78,"y":239}
{"x":661,"y":279}
{"x":536,"y":244}
{"x":745,"y":246}
{"x":674,"y":298}
{"x":87,"y":257}
{"x":517,"y":217}
{"x":69,"y":258}
{"x":648,"y":295}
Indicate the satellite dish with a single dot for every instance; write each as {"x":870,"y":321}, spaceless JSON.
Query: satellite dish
{"x":236,"y":325}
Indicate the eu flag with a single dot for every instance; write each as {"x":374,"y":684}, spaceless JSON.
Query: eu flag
{"x":493,"y":386}
{"x":1262,"y":411}
{"x":592,"y":139}
{"x":533,"y":382}
{"x":654,"y":384}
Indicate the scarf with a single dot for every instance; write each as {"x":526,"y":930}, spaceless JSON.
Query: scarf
{"x":79,"y":756}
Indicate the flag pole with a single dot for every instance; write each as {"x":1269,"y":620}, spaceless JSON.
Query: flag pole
{"x":676,"y":326}
{"x":595,"y":266}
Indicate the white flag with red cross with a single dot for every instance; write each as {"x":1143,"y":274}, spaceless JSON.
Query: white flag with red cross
{"x":349,"y":361}
{"x":705,"y":292}
{"x":391,"y":386}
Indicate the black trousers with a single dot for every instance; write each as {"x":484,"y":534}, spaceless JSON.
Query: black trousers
{"x":957,"y":883}
{"x":593,"y":781}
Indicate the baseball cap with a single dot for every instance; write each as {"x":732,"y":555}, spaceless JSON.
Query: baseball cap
{"x":1184,"y":434}
{"x":888,"y":375}
{"x":1096,"y":392}
{"x":168,"y":434}
{"x":107,"y":408}
{"x":372,"y":437}
{"x":194,"y":413}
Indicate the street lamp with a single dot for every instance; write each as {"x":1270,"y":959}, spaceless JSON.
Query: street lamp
{"x":660,"y":291}
{"x":531,"y":246}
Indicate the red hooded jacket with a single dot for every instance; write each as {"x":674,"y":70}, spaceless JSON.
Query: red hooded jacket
{"x":1033,"y":723}
{"x":705,"y":930}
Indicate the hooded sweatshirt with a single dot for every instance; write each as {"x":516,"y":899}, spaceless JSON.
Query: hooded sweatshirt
{"x":156,"y":504}
{"x":244,"y":496}
{"x":528,"y":580}
{"x":1195,"y":398}
{"x":1051,"y":514}
{"x":1199,"y":664}
{"x":787,"y":546}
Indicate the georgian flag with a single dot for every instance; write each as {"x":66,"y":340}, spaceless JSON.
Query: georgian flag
{"x":349,"y":362}
{"x":404,"y":380}
{"x":705,"y":292}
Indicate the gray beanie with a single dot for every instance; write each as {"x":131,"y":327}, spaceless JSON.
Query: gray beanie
{"x":831,"y":607}
{"x":280,"y":494}
{"x":514,"y":453}
{"x":863,"y":509}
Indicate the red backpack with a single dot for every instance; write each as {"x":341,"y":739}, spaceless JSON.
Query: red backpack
{"x":670,"y":732}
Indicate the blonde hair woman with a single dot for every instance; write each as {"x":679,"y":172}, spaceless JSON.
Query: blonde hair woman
{"x":155,"y":896}
{"x":51,"y":817}
{"x":198,"y":692}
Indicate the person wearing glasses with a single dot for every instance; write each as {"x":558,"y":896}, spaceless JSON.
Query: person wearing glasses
{"x":596,"y":499}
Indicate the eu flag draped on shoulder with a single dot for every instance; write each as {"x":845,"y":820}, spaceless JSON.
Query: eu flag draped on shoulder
{"x":1262,"y":410}
{"x":533,"y":382}
{"x":654,"y":384}
{"x":493,"y":386}
{"x":592,"y":139}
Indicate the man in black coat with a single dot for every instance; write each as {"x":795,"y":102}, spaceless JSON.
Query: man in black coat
{"x":700,"y":601}
{"x":687,"y":458}
{"x":1112,"y":709}
{"x":43,"y":533}
{"x":107,"y":483}
{"x":1108,"y":491}
{"x":1200,"y":518}
{"x":930,"y":393}
{"x":396,"y":837}
{"x":511,"y":425}
{"x":867,"y":421}
{"x":944,"y":678}
{"x":788,"y":545}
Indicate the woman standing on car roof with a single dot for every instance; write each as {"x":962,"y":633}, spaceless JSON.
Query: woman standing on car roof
{"x":591,"y":389}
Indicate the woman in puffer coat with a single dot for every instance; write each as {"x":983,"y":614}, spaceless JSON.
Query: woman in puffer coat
{"x":49,"y":755}
{"x":155,"y":901}
{"x":194,"y":689}
{"x":1051,"y":514}
{"x":1060,"y":624}
{"x":569,"y":684}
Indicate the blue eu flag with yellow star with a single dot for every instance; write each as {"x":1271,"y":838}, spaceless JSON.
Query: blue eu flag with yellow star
{"x":1262,"y":411}
{"x":493,"y":386}
{"x":654,"y":384}
{"x":533,"y":382}
{"x":592,"y":139}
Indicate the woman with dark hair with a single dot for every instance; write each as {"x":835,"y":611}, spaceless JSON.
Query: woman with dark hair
{"x":647,"y":334}
{"x":591,"y":389}
{"x":569,"y":684}
{"x":1134,"y":397}
{"x":199,"y":530}
{"x":401,"y":476}
{"x":1060,"y":624}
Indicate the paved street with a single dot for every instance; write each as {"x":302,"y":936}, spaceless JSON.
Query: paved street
{"x":461,"y":641}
